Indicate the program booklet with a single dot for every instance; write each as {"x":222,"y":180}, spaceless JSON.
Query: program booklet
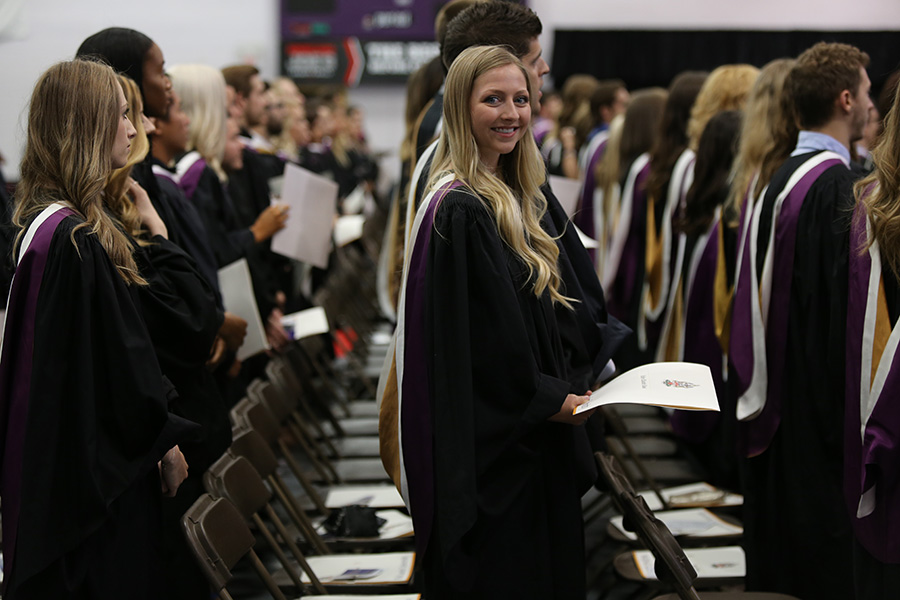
{"x":686,"y":386}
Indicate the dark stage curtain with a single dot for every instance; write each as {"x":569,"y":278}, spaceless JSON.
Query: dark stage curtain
{"x":652,"y":58}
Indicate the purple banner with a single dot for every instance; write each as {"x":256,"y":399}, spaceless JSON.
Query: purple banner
{"x":355,"y":41}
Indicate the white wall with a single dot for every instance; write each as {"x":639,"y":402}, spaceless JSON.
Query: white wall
{"x":216,"y":32}
{"x":221,"y":32}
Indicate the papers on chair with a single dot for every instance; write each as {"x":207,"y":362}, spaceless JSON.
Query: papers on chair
{"x":307,"y":233}
{"x":692,"y":494}
{"x":238,"y":298}
{"x":697,"y":522}
{"x":312,"y":321}
{"x":376,"y":496}
{"x":355,"y":201}
{"x":710,"y":563}
{"x":396,"y":525}
{"x":357,"y":597}
{"x":566,"y":191}
{"x":688,"y":386}
{"x":348,"y":228}
{"x":364,"y":569}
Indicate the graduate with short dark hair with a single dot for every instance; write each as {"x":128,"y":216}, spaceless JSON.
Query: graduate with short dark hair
{"x":790,"y":312}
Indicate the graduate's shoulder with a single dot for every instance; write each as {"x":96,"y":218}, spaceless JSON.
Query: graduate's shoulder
{"x":460,"y":202}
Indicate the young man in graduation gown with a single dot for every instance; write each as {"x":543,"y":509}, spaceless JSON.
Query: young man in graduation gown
{"x":789,"y":359}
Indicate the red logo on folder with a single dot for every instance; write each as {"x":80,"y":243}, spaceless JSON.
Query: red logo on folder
{"x":679,"y":384}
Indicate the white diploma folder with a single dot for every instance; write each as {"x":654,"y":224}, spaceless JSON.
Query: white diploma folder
{"x":237,"y":296}
{"x":348,"y":228}
{"x":312,"y":321}
{"x":307,"y":233}
{"x":688,"y":386}
{"x":566,"y":191}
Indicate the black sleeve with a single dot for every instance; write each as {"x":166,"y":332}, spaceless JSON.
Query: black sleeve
{"x":227,"y":239}
{"x":179,"y":304}
{"x":591,"y":335}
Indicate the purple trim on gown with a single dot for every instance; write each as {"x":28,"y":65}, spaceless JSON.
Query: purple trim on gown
{"x":702,"y":345}
{"x":756,"y":434}
{"x":189,"y":181}
{"x":415,"y":408}
{"x":624,"y":292}
{"x":874,"y":459}
{"x":584,"y":214}
{"x":16,"y":373}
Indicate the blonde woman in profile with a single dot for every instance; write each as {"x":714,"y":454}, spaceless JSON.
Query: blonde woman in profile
{"x":873,"y":372}
{"x":83,"y":406}
{"x":488,"y":448}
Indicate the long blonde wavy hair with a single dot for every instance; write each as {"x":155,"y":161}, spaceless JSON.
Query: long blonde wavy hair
{"x":513,"y":196}
{"x":72,"y":124}
{"x":882,"y":203}
{"x":116,"y":196}
{"x":726,"y":88}
{"x":203,"y":97}
{"x":768,"y":135}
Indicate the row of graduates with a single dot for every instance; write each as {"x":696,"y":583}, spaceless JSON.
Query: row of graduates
{"x":131,"y":331}
{"x":729,"y":235}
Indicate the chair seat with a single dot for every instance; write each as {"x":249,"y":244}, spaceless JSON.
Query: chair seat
{"x":693,"y":495}
{"x":670,"y":471}
{"x":715,"y":566}
{"x":358,"y":596}
{"x":692,"y":526}
{"x":357,"y":446}
{"x":645,"y":445}
{"x":354,"y":426}
{"x":725,"y":596}
{"x":349,"y":570}
{"x":363,"y":408}
{"x":644,"y":425}
{"x":356,"y":470}
{"x":376,"y":496}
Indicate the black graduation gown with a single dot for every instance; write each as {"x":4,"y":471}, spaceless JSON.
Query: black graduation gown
{"x":250,"y":195}
{"x":229,"y":240}
{"x":875,"y":579}
{"x":179,"y":307}
{"x":186,"y":228}
{"x":797,"y":531}
{"x":508,"y":482}
{"x":78,"y":355}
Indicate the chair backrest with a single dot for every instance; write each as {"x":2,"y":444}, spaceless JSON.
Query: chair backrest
{"x":280,"y":404}
{"x":280,"y":374}
{"x":234,"y":478}
{"x":218,"y":536}
{"x":252,"y":446}
{"x":254,"y":415}
{"x":672,"y":566}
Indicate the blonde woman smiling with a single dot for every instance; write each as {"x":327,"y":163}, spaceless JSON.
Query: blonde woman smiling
{"x":488,"y":445}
